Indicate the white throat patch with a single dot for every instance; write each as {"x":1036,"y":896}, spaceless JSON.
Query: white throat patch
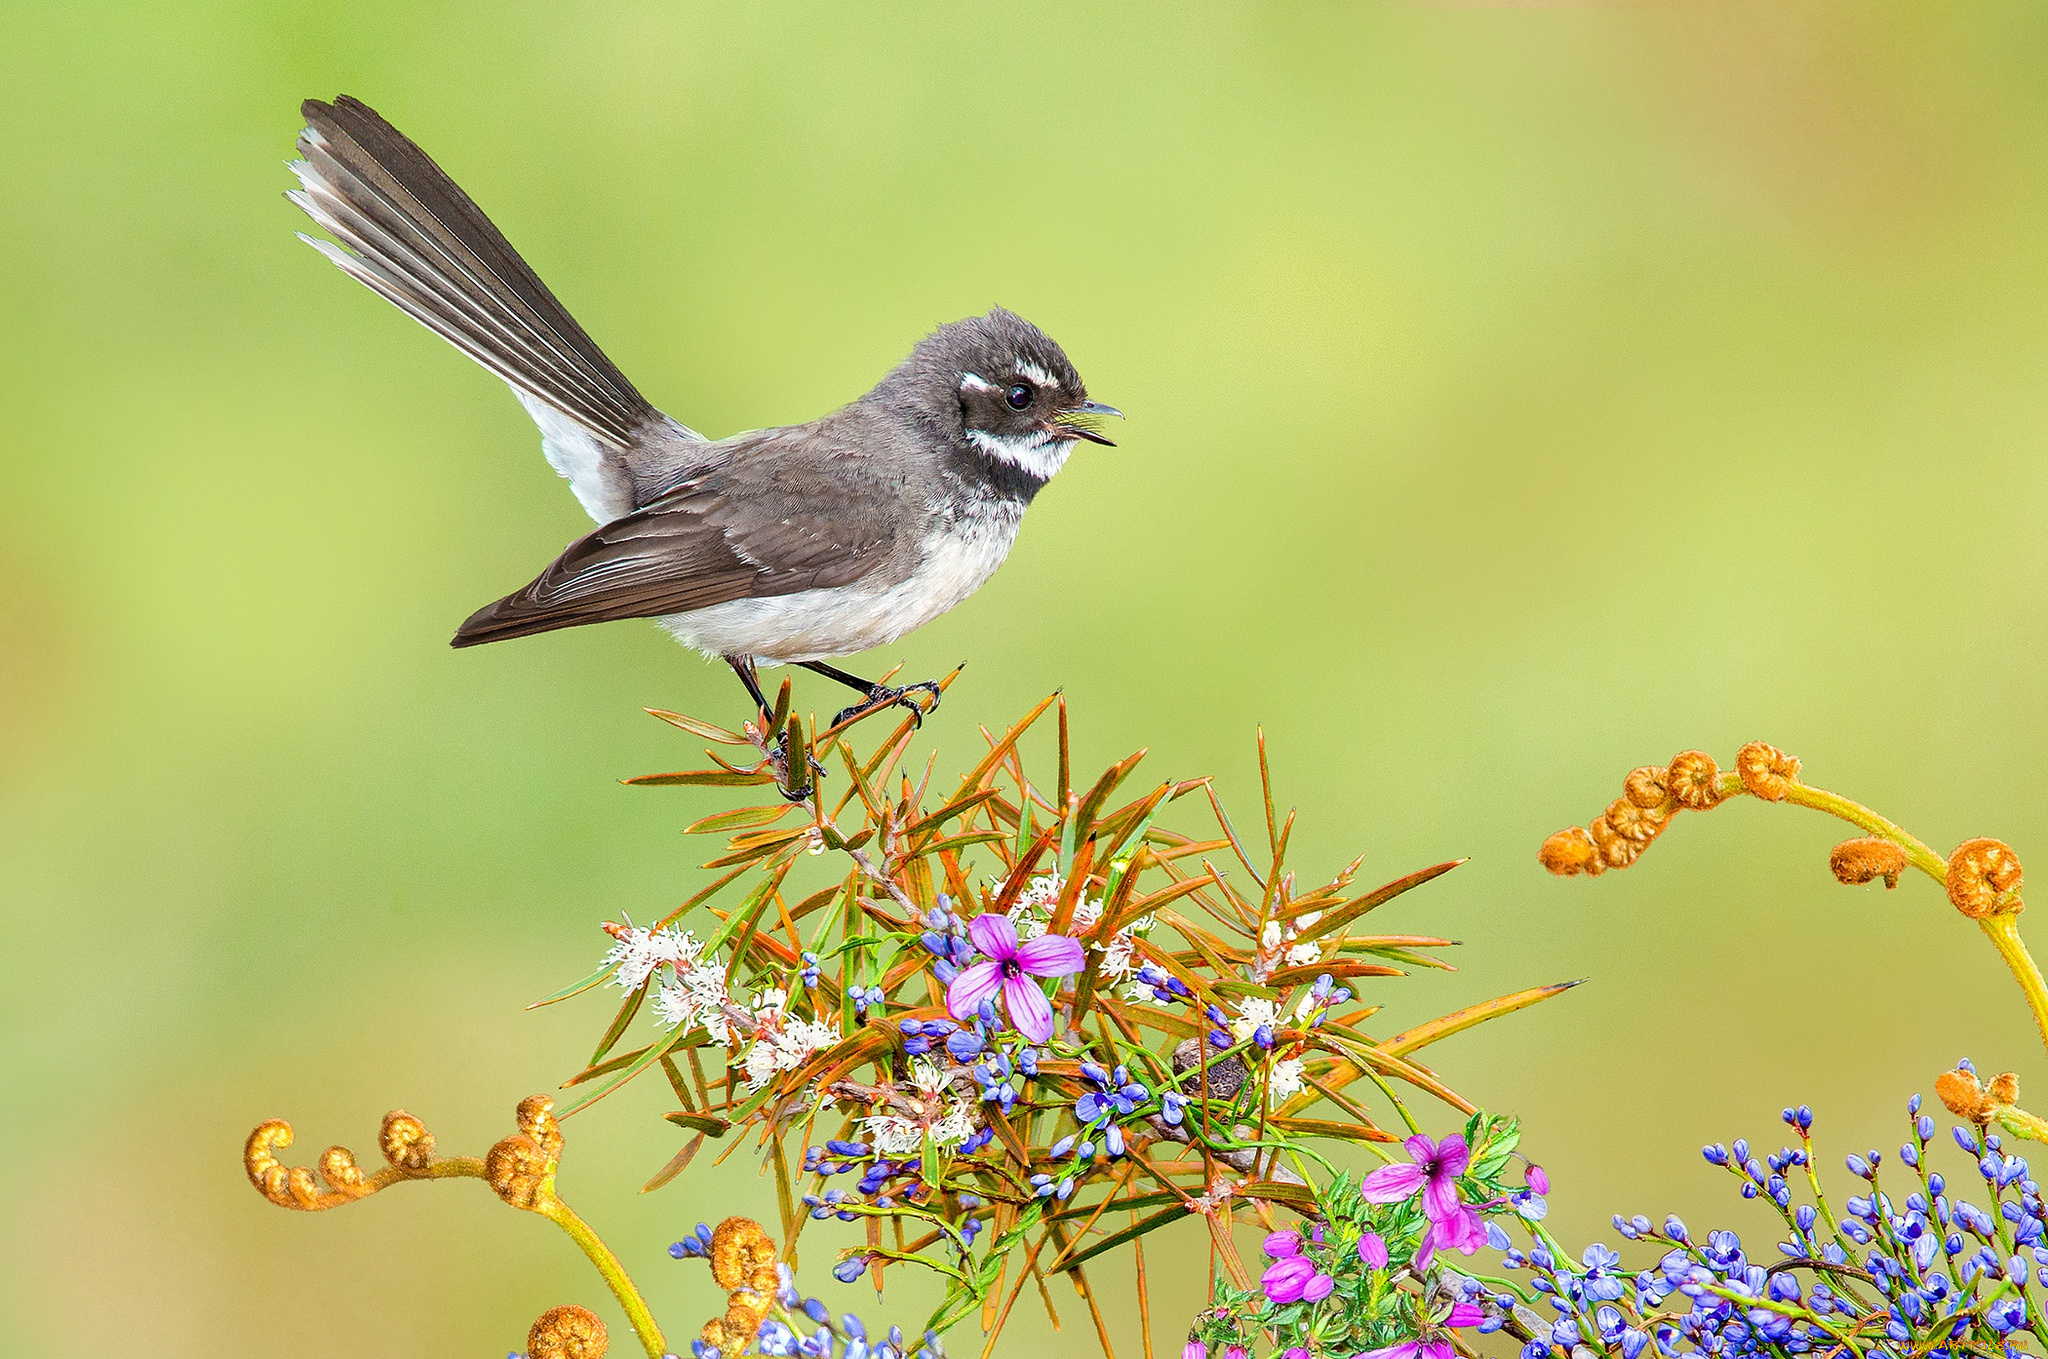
{"x":1036,"y":455}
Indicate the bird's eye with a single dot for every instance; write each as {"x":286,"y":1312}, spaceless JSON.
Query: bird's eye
{"x":1019,"y":396}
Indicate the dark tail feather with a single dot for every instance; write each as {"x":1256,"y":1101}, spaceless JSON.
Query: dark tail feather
{"x":500,"y":623}
{"x":408,"y":232}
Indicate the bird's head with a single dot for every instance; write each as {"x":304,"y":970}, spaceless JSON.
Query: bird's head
{"x":1019,"y":401}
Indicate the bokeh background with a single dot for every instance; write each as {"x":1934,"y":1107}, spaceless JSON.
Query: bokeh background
{"x":1517,"y":395}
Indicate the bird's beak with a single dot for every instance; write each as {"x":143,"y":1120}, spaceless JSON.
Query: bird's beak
{"x":1074,"y":424}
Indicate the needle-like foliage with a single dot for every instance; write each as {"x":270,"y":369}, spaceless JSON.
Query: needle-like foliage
{"x":858,"y":974}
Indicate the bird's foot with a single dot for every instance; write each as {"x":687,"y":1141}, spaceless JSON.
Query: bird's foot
{"x":813,"y":771}
{"x":884,"y":696}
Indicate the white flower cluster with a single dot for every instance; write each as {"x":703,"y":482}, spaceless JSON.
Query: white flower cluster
{"x":695,"y":992}
{"x":895,"y":1135}
{"x":785,"y":1048}
{"x":696,"y":996}
{"x":1284,"y":1078}
{"x":1298,"y":955}
{"x":1253,"y":1013}
{"x":636,"y":952}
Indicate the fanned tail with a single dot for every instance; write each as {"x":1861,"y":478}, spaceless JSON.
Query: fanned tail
{"x":410,"y":233}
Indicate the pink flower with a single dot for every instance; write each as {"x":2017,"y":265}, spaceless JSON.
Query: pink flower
{"x":1237,"y":1352}
{"x":1282,"y":1244}
{"x":1538,"y":1182}
{"x":1462,"y":1314}
{"x":1294,"y":1352}
{"x":1285,"y":1278}
{"x":1434,"y":1171}
{"x":1194,"y":1349}
{"x":1010,"y":969}
{"x":1372,"y":1250}
{"x":1411,"y":1349}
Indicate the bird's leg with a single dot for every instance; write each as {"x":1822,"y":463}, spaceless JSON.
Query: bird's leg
{"x":878,"y":695}
{"x":743,"y":666}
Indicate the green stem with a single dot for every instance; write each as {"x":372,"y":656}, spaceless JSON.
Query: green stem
{"x":1858,"y":815}
{"x":563,"y":1216}
{"x":2002,"y":929}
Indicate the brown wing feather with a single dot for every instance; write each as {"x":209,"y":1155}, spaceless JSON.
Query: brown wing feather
{"x":747,"y":530}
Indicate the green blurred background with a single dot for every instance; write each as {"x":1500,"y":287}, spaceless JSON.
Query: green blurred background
{"x":1517,"y":396}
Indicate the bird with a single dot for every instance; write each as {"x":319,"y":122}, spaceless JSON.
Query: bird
{"x":796,"y":545}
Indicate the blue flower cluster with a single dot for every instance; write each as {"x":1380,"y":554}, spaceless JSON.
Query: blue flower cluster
{"x":945,"y":938}
{"x":1165,"y":987}
{"x":877,"y":1177}
{"x":845,"y":1337}
{"x":1114,"y":1095}
{"x":1930,"y":1272}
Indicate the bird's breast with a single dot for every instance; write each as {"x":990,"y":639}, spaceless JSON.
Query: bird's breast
{"x":961,"y":553}
{"x":956,"y":556}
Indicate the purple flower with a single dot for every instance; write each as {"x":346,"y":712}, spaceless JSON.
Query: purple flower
{"x":1285,"y":1279}
{"x":1010,"y":968}
{"x":1434,"y":1171}
{"x":1194,"y":1349}
{"x":1538,"y":1182}
{"x":1373,"y":1250}
{"x":1280,"y":1245}
{"x":1318,"y":1287}
{"x":1294,"y":1352}
{"x":1236,"y":1352}
{"x":1462,"y":1314}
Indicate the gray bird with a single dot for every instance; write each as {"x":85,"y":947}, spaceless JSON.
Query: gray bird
{"x":780,"y":546}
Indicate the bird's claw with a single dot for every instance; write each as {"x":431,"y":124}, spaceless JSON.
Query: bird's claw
{"x":885,"y":696}
{"x":815,"y":769}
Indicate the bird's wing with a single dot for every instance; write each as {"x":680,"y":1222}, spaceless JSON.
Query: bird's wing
{"x":782,"y":515}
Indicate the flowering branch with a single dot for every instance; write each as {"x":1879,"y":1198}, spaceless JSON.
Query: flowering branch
{"x":1982,"y":877}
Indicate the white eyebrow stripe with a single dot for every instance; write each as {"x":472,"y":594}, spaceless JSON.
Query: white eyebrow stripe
{"x":1026,"y":368}
{"x":974,"y":382}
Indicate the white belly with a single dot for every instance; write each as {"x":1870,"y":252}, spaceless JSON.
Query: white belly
{"x":817,"y":625}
